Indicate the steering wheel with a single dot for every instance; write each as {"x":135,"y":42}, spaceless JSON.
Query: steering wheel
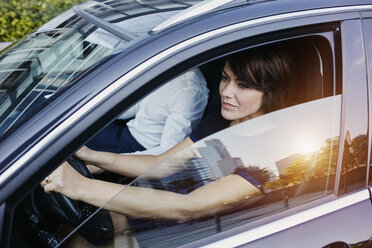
{"x":98,"y":228}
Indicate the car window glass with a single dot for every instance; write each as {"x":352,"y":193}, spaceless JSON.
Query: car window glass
{"x":40,"y":65}
{"x":287,"y":158}
{"x":58,"y":52}
{"x":290,"y":155}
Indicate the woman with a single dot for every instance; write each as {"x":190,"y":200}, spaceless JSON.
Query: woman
{"x":253,"y":83}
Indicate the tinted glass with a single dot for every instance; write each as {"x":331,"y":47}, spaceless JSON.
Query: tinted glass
{"x":288,"y":158}
{"x":290,"y":155}
{"x":285,"y":158}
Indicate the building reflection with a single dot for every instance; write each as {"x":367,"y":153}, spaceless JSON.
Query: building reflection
{"x":295,"y":176}
{"x":214,"y":162}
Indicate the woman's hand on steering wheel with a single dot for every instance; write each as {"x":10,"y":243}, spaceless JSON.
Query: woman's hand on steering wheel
{"x":65,"y":180}
{"x":66,"y":186}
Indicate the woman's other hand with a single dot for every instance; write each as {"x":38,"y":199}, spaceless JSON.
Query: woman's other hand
{"x":84,"y":153}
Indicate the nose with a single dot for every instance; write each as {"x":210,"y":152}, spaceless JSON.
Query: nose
{"x":227,"y":90}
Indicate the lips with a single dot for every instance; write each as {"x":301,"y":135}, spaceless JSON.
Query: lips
{"x":227,"y":105}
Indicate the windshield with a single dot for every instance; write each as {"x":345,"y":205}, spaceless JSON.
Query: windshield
{"x":44,"y":62}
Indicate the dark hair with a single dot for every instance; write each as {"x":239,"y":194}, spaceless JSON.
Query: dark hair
{"x":267,"y":69}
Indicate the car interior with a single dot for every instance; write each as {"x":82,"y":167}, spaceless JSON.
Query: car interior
{"x":314,"y":77}
{"x":38,"y":219}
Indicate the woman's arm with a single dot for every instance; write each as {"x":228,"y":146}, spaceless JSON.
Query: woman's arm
{"x":223,"y":194}
{"x":128,"y":165}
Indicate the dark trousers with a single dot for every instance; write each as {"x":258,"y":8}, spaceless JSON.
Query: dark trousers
{"x":115,"y":138}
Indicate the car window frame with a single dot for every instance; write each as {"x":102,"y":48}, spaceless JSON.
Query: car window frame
{"x":367,"y":17}
{"x":312,"y":30}
{"x":354,"y":77}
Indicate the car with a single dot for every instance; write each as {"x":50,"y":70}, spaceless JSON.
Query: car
{"x":66,"y":81}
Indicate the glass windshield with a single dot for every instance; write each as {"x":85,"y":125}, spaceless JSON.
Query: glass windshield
{"x":54,"y":55}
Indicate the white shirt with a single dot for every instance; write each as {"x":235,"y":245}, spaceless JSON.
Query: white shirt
{"x":168,"y":115}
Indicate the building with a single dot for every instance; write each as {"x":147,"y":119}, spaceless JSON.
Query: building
{"x":215,"y":162}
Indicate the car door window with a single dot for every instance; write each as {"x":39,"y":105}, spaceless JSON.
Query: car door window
{"x":289,"y":156}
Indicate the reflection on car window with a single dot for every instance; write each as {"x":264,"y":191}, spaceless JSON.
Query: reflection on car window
{"x":41,"y":64}
{"x":289,"y":154}
{"x":53,"y":56}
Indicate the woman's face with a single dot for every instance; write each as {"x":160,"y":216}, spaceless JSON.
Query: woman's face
{"x":239,"y":101}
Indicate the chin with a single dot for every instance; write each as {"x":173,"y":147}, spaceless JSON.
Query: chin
{"x":229,"y":116}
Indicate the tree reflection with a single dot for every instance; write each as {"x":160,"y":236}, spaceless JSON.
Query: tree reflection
{"x":315,"y":166}
{"x":262,"y":175}
{"x":353,"y":173}
{"x":316,"y":171}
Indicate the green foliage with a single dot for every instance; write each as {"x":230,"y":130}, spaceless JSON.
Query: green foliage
{"x":18,"y":18}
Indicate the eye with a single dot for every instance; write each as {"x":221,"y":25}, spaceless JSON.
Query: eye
{"x":225,"y":79}
{"x":243,"y":85}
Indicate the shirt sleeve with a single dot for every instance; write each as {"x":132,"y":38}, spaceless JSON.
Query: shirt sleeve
{"x":185,"y":111}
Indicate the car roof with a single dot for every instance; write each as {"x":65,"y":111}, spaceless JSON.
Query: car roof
{"x":194,"y":10}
